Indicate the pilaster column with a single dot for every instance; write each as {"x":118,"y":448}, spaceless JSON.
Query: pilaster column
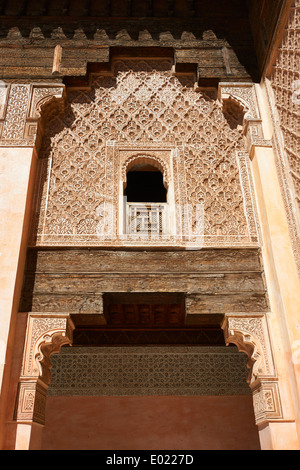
{"x":45,"y":335}
{"x":282,"y":279}
{"x":21,"y":128}
{"x":276,"y":425}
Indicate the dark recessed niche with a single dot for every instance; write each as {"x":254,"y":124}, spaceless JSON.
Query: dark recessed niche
{"x":145,"y":186}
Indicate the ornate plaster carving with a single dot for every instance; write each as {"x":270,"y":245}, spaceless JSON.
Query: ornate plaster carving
{"x":250,"y":334}
{"x":283,"y":93}
{"x":149,"y":370}
{"x":45,"y":336}
{"x":266,"y":401}
{"x":134,"y":157}
{"x":245,"y":96}
{"x":42,"y":95}
{"x":141,"y":108}
{"x":242,"y":93}
{"x":18,"y":99}
{"x":20,"y":110}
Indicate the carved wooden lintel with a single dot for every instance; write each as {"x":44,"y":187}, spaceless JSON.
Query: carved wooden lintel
{"x":249,"y":332}
{"x":45,"y":335}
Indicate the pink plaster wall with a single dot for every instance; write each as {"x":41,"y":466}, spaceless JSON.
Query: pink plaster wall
{"x":150,"y":423}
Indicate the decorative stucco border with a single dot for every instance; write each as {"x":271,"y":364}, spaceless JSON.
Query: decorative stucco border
{"x":250,"y":333}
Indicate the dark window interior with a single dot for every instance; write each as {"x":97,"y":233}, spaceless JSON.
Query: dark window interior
{"x":145,"y":186}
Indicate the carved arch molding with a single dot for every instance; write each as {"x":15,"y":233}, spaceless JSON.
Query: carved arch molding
{"x":250,"y":333}
{"x":23,"y":108}
{"x":46,"y":335}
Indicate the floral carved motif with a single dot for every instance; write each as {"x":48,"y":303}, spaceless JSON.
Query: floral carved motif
{"x":20,"y":111}
{"x":31,"y":402}
{"x":17,"y":106}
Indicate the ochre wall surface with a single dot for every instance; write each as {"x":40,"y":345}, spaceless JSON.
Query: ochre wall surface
{"x":150,"y":423}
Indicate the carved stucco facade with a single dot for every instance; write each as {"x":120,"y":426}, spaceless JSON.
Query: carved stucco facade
{"x":284,"y":91}
{"x":142,"y":110}
{"x":212,"y":151}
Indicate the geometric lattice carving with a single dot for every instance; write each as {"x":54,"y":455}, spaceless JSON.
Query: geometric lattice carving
{"x":141,"y":109}
{"x":285,"y":82}
{"x":176,"y":370}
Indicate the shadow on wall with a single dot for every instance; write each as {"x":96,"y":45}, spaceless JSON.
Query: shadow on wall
{"x":131,"y":24}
